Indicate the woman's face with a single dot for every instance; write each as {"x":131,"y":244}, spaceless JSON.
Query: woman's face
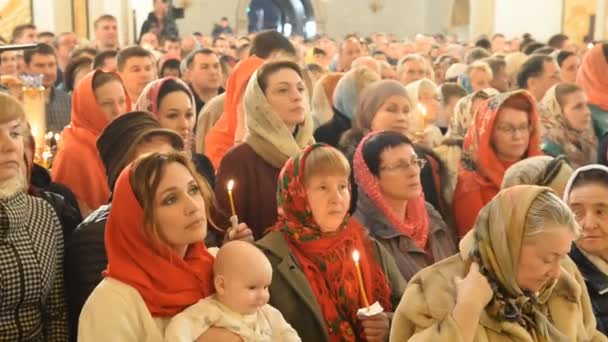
{"x":8,"y":63}
{"x":399,"y":174}
{"x":111,"y":99}
{"x":285,"y":94}
{"x":11,"y":149}
{"x":179,"y":208}
{"x":577,"y":111}
{"x":569,"y":68}
{"x":329,"y":200}
{"x":541,"y":257}
{"x":429,"y":98}
{"x":175,"y":113}
{"x":511,"y":134}
{"x":589,"y":203}
{"x":393,"y":115}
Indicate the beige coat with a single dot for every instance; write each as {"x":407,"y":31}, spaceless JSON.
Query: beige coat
{"x":425,"y":311}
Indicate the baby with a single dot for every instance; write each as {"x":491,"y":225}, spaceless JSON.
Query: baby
{"x":241,"y":276}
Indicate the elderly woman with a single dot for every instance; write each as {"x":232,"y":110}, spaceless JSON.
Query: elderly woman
{"x":511,"y":281}
{"x":33,"y":306}
{"x":540,"y":170}
{"x":505,"y":131}
{"x":310,"y":247}
{"x":279,"y":126}
{"x":591,"y":77}
{"x":391,"y":203}
{"x":425,"y":100}
{"x":567,"y":125}
{"x":587,"y":196}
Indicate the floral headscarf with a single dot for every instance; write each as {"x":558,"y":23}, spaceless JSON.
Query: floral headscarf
{"x":325,"y":258}
{"x":579,"y":147}
{"x":463,"y":114}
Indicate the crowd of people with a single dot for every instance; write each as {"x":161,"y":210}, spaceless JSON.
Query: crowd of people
{"x":270,"y":188}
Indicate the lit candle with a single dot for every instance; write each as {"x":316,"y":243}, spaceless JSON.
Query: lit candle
{"x":230,"y":186}
{"x":46,"y":155}
{"x":360,"y":278}
{"x":590,"y":45}
{"x":421,"y":124}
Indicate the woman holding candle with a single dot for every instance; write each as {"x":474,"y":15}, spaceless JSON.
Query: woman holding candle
{"x":424,"y":97}
{"x":279,"y":126}
{"x":98,"y":99}
{"x":391,"y":203}
{"x":316,"y":283}
{"x":511,"y":281}
{"x":504,"y":131}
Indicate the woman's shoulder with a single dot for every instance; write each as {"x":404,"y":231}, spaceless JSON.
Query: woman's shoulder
{"x":274,"y":245}
{"x":110,"y":292}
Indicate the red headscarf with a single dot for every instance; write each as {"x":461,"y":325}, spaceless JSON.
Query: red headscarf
{"x":220,"y":137}
{"x":166,"y":282}
{"x":416,"y":223}
{"x":77,"y":164}
{"x":592,"y":76}
{"x":326,"y":259}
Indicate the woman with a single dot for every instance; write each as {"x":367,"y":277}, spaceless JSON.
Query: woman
{"x":591,"y":77}
{"x":546,"y":171}
{"x":33,"y":305}
{"x":391,"y":203}
{"x":310,"y":247}
{"x":158,"y":263}
{"x":511,"y":281}
{"x":569,"y":63}
{"x":505,"y":131}
{"x":586,"y":195}
{"x":172,"y":102}
{"x":322,"y":98}
{"x":279,"y":126}
{"x":98,"y":99}
{"x":346,"y":95}
{"x":424,"y":97}
{"x":567,"y":125}
{"x":450,"y":149}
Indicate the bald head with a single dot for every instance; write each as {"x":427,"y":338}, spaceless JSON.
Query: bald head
{"x":237,"y":256}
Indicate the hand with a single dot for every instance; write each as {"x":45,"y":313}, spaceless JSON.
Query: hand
{"x":219,"y":334}
{"x":474,"y":289}
{"x":242,"y":232}
{"x":375,"y":328}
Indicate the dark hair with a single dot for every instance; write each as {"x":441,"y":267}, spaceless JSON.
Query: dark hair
{"x":41,"y":49}
{"x":46,"y":34}
{"x":476,"y":54}
{"x":519,"y":102}
{"x":170,"y":64}
{"x":496,"y":64}
{"x":270,"y":68}
{"x":563,"y":55}
{"x":498,"y":35}
{"x":101,"y":78}
{"x":483,"y":43}
{"x":556,"y":41}
{"x":193,"y":54}
{"x":74,"y":65}
{"x":215,"y":39}
{"x":83,"y":50}
{"x":451,"y":89}
{"x":172,"y":39}
{"x":313,"y":67}
{"x":533,"y":67}
{"x":529,"y":48}
{"x":318,"y":51}
{"x":100,"y":58}
{"x":593,"y":176}
{"x":544,"y":50}
{"x":375,"y":145}
{"x":268,"y":42}
{"x":132,"y":51}
{"x":19,"y":29}
{"x":103,"y":17}
{"x":170,"y":86}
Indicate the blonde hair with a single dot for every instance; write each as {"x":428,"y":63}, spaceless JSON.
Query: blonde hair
{"x":547,"y":212}
{"x":11,"y":109}
{"x":325,"y":160}
{"x":480,"y":66}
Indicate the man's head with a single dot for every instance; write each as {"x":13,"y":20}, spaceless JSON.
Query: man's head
{"x":500,"y":79}
{"x":558,"y":41}
{"x":204,"y":69}
{"x":411,"y":68}
{"x":499,"y":43}
{"x":65,"y":43}
{"x":161,"y":7}
{"x":224,"y":22}
{"x":46,"y":37}
{"x":106,"y":32}
{"x":270,"y":43}
{"x":149,"y":39}
{"x":24,"y":34}
{"x":538,"y":74}
{"x":136,"y":68}
{"x":188,"y":44}
{"x":221,"y":46}
{"x":42,"y":60}
{"x":350,"y":49}
{"x":105,"y":61}
{"x":171,"y":45}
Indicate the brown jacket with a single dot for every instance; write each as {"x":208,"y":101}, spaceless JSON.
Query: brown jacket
{"x":425,"y":311}
{"x":409,"y":258}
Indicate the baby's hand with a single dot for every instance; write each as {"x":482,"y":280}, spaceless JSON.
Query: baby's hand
{"x":219,"y":334}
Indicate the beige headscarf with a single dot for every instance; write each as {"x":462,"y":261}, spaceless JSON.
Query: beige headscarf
{"x":540,"y":170}
{"x":322,"y":97}
{"x":495,"y":243}
{"x":266,"y":133}
{"x":207,"y":117}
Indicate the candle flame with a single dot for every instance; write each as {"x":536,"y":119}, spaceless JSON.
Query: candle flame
{"x":230,"y":185}
{"x":356,"y":256}
{"x":422,"y":109}
{"x":57,"y":137}
{"x":49,"y":135}
{"x":590,"y":46}
{"x":34,"y":131}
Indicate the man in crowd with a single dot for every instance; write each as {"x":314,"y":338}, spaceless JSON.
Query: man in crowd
{"x":136,"y":69}
{"x":538,"y":74}
{"x":106,"y":33}
{"x":205,"y":76}
{"x":350,"y":49}
{"x":24,"y":34}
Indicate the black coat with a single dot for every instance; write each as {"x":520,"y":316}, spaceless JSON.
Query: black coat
{"x":597,"y":285}
{"x":331,"y":132}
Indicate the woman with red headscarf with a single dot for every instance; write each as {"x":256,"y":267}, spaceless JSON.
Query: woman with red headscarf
{"x":592,"y":78}
{"x":311,"y":247}
{"x":98,"y":99}
{"x":504,"y":131}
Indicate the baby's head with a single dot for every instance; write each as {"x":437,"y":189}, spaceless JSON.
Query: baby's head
{"x":242,"y":275}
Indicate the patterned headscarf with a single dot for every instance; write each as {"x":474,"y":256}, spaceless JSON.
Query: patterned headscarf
{"x":463,"y":114}
{"x":326,"y":258}
{"x":579,"y":146}
{"x":540,"y":170}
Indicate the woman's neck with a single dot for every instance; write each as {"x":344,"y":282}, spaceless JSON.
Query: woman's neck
{"x":398,"y":206}
{"x":180,"y":250}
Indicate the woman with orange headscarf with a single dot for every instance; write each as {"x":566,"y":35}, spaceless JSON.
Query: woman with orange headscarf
{"x":97,"y":100}
{"x":592,"y":78}
{"x":504,"y":131}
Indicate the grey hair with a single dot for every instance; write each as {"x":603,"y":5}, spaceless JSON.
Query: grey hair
{"x":548,"y":212}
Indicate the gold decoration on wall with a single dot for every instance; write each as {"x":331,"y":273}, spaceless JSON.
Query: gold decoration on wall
{"x":577,"y":18}
{"x":13,"y":13}
{"x":376,"y":6}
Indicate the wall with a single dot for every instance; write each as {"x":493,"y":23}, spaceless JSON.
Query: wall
{"x":541,"y":18}
{"x":53,"y":16}
{"x":203,"y":14}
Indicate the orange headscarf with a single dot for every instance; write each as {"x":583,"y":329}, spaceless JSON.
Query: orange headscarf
{"x":220,"y":137}
{"x":166,"y":282}
{"x":77,"y":164}
{"x":592,"y":76}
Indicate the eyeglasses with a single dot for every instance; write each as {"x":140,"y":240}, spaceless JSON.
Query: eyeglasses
{"x":404,"y":165}
{"x":508,"y":129}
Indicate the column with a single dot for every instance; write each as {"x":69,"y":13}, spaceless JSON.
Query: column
{"x":482,"y":18}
